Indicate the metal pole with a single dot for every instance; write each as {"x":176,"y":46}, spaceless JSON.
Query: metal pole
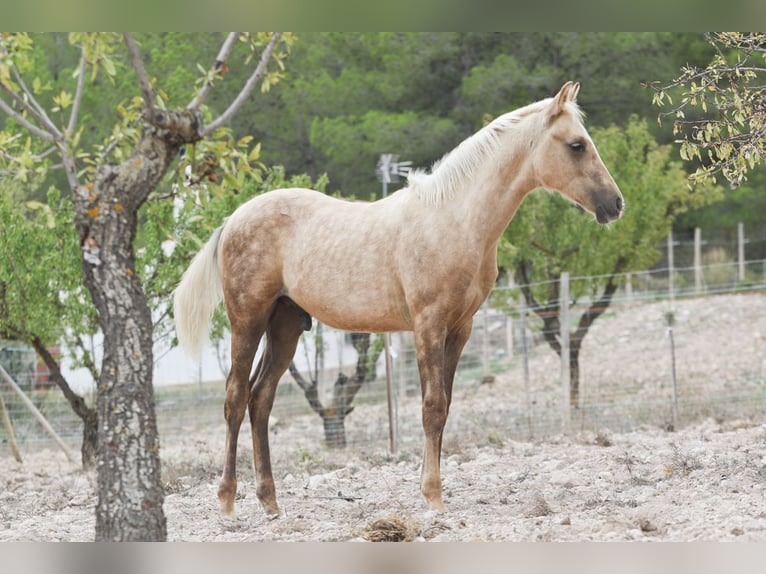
{"x":675,"y":380}
{"x":390,"y":395}
{"x":525,"y":360}
{"x":670,"y":318}
{"x":566,"y":415}
{"x":485,"y":347}
{"x":671,"y":270}
{"x":741,"y":251}
{"x":389,"y":383}
{"x":697,"y":260}
{"x":388,"y":170}
{"x":509,"y":323}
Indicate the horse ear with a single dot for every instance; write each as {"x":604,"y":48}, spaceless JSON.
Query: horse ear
{"x":568,"y":92}
{"x":574,"y":91}
{"x":563,"y":95}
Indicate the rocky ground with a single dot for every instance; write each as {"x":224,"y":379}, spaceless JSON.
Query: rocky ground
{"x":703,"y":481}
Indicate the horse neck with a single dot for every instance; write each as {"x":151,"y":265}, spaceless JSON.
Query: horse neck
{"x":489,"y":203}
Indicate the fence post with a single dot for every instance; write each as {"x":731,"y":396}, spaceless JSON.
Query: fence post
{"x":566,"y":414}
{"x":670,"y":318}
{"x":741,"y":251}
{"x":401,"y":366}
{"x":671,"y":271}
{"x":525,"y":360}
{"x":509,"y":323}
{"x":697,"y":260}
{"x":487,"y":376}
{"x":390,"y":395}
{"x":509,"y":335}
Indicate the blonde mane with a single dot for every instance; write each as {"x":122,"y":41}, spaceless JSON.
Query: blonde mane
{"x":452,"y":171}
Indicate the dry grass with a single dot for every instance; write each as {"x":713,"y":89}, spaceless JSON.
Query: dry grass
{"x":682,"y":463}
{"x":602,"y":439}
{"x":538,"y":507}
{"x":391,"y":529}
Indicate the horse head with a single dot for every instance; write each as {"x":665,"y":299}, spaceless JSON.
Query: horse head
{"x":566,"y":160}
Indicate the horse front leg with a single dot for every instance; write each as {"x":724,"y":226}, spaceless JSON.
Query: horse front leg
{"x":453,"y":348}
{"x":430,"y":346}
{"x":244,"y":344}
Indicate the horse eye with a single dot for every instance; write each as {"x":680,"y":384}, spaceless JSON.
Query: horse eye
{"x":577,"y":146}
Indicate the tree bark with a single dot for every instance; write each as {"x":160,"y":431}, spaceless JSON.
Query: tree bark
{"x":130,"y":492}
{"x":334,"y":422}
{"x":106,"y":212}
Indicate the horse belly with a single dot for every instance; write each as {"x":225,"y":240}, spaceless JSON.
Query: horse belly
{"x":344,"y":302}
{"x":352,"y":293}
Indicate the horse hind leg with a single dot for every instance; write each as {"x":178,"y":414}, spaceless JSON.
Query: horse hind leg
{"x":285,"y":327}
{"x":244,"y":344}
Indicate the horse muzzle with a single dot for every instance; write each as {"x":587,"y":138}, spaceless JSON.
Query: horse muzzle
{"x":608,"y":206}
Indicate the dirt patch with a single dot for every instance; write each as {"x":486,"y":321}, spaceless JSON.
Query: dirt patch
{"x":705,"y":482}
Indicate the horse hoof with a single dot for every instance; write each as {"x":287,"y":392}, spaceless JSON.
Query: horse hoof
{"x":226,"y":496}
{"x":436,"y":506}
{"x":271,"y":508}
{"x":227,"y":508}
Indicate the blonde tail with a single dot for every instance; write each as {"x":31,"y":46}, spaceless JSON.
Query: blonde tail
{"x":197,"y":296}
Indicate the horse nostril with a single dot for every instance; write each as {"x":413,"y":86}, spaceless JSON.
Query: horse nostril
{"x":620,"y":204}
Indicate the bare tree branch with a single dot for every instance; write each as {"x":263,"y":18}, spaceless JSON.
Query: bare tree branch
{"x":309,"y":389}
{"x":10,"y":158}
{"x":46,"y":153}
{"x":260,"y":70}
{"x":138,"y":66}
{"x":78,"y":95}
{"x":220,"y":60}
{"x":31,"y":106}
{"x":23,"y":122}
{"x":76,"y":401}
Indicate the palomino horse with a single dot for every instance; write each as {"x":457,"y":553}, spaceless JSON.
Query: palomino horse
{"x":422,"y":259}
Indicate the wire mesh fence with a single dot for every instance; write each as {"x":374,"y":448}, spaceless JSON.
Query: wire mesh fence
{"x":509,"y":380}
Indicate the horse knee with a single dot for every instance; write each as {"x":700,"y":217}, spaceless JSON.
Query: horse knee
{"x":434,"y":411}
{"x":237,"y":397}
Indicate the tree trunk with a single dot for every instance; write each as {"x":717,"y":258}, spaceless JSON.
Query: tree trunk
{"x":334,"y":421}
{"x":344,"y":390}
{"x":551,"y":325}
{"x":130,"y":493}
{"x":89,"y":416}
{"x":574,"y":375}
